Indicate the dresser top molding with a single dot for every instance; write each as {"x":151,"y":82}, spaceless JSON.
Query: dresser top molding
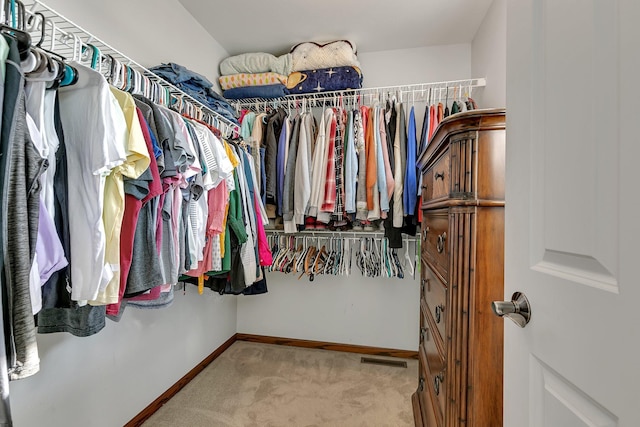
{"x":474,"y":120}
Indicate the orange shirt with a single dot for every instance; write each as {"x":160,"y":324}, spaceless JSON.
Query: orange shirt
{"x":370,"y":153}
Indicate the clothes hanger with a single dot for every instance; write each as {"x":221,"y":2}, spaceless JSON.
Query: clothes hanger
{"x":320,"y":260}
{"x":350,"y":258}
{"x":128,"y":78}
{"x":346,"y":244}
{"x":396,"y":263}
{"x":293,"y":252}
{"x":23,"y":38}
{"x":284,"y":259}
{"x":300,"y":265}
{"x":338,"y":257}
{"x":70,"y":73}
{"x":377,"y":258}
{"x":407,"y":257}
{"x":388,"y":270}
{"x":446,"y":103}
{"x":308,"y":263}
{"x":93,"y":58}
{"x":297,"y":256}
{"x":136,"y":81}
{"x":61,"y":73}
{"x":275,"y":250}
{"x":360,"y":257}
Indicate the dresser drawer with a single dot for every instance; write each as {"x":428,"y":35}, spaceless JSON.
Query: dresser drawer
{"x":422,"y":398}
{"x":435,"y":378}
{"x":434,"y":293}
{"x":418,"y":409}
{"x":435,"y":240}
{"x":436,"y":181}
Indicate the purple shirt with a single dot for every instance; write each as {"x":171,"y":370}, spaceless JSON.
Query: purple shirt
{"x":48,"y":247}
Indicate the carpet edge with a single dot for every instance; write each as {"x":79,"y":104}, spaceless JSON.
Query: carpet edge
{"x":322,"y":345}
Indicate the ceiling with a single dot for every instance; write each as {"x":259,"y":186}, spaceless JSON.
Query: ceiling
{"x":275,"y":26}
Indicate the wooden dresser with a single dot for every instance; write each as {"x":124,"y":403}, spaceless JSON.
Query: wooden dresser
{"x":462,"y":252}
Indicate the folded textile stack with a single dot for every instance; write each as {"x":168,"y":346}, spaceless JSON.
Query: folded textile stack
{"x":255,"y":75}
{"x":309,"y":68}
{"x":196,"y":86}
{"x":324,"y":79}
{"x":324,"y":67}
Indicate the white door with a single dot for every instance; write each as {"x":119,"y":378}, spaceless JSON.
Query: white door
{"x":573,"y":212}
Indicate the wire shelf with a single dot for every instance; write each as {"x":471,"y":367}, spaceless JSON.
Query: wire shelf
{"x":418,"y":92}
{"x":59,"y":35}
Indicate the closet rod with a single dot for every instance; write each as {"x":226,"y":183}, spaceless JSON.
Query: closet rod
{"x":337,"y":233}
{"x":408,"y":93}
{"x":62,"y":36}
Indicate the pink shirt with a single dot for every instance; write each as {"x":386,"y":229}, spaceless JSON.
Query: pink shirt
{"x":264,"y":252}
{"x":215,"y":218}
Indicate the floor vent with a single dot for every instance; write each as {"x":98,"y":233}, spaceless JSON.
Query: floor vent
{"x":394,"y":363}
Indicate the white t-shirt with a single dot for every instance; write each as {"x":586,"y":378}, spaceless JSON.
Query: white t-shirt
{"x":92,"y":120}
{"x":219,"y":166}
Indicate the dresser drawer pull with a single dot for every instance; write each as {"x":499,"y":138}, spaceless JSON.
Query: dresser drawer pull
{"x":423,"y":333}
{"x":424,"y":187}
{"x":439,"y":175}
{"x":424,"y":233}
{"x":439,"y":310}
{"x":421,"y":385}
{"x":439,"y":379}
{"x":425,"y":283}
{"x":422,"y":283}
{"x":440,"y":244}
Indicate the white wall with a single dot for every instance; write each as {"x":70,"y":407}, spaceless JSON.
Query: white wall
{"x":419,"y":65}
{"x":353,"y":310}
{"x":147,"y":31}
{"x":107,"y":379}
{"x":489,"y":56}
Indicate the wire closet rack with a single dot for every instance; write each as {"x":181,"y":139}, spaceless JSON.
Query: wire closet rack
{"x":418,"y":92}
{"x":57,"y":34}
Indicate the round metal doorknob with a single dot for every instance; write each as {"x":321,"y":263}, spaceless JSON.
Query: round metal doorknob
{"x":518,"y":309}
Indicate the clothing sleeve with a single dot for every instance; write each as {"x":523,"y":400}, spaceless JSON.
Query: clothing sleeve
{"x":225,"y":167}
{"x":135,"y":148}
{"x":218,"y":203}
{"x":111,"y":127}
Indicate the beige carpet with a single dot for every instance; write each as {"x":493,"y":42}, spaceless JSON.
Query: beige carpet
{"x":267,"y":385}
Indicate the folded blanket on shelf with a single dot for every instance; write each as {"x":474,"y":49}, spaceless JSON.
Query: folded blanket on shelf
{"x":196,"y":86}
{"x":324,"y":79}
{"x":245,"y":79}
{"x":268,"y":91}
{"x":312,"y":56}
{"x":258,"y":62}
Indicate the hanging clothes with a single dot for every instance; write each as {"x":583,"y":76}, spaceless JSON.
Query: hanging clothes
{"x":302,"y":189}
{"x":136,"y":162}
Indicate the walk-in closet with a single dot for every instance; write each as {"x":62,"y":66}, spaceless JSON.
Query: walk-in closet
{"x":285,"y":263}
{"x":343,"y":214}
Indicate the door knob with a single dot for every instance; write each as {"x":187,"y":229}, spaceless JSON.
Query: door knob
{"x":518,"y":309}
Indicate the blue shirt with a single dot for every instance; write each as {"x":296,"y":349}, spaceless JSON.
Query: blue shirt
{"x":410,"y":182}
